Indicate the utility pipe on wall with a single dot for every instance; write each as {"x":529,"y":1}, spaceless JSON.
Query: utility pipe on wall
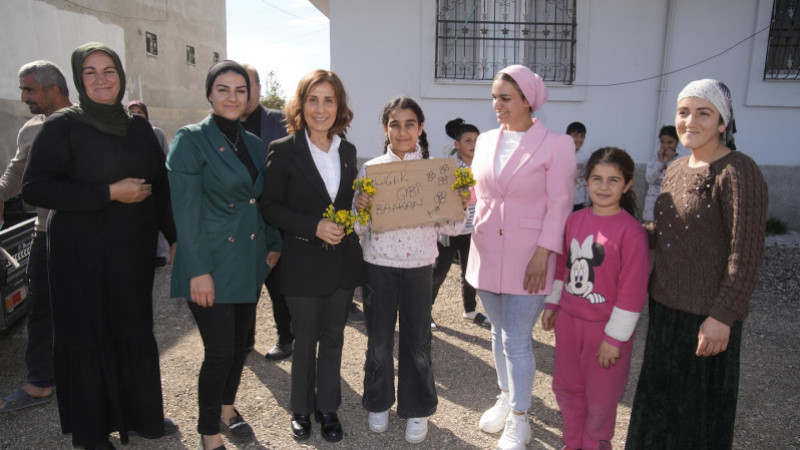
{"x":662,"y":84}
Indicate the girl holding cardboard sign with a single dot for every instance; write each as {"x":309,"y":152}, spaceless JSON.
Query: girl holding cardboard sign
{"x":399,"y":273}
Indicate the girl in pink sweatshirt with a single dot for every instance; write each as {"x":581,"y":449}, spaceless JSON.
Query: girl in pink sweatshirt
{"x":598,"y":293}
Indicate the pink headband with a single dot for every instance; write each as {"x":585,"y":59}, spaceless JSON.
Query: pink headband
{"x":530,"y":83}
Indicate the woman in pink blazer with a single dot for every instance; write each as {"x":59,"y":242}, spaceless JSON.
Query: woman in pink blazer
{"x":525,"y":186}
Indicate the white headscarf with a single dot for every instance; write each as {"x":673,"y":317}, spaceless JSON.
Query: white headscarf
{"x":716,"y":93}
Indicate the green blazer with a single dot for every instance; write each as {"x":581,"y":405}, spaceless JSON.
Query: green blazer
{"x":216,"y":209}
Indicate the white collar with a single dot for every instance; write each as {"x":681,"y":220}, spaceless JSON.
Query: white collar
{"x":335,"y":142}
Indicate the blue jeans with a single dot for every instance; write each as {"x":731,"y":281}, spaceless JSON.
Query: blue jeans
{"x":513,"y":317}
{"x":409,"y":292}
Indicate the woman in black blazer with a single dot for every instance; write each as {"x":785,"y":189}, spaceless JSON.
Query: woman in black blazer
{"x":307,"y":171}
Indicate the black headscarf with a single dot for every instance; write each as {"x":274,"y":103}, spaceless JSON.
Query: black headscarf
{"x":109,"y":119}
{"x":226,"y":65}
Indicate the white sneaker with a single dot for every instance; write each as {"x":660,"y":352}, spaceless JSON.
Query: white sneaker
{"x":494,"y":418}
{"x":517,"y":433}
{"x":416,"y":429}
{"x":379,"y":421}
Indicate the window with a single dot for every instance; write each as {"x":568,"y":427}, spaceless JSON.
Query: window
{"x":190,"y":55}
{"x":151,"y":43}
{"x":783,"y":50}
{"x":216,"y":57}
{"x":476,"y":38}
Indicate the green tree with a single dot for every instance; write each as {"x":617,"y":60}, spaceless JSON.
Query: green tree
{"x":274,"y":95}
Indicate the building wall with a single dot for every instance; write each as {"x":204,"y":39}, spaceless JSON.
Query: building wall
{"x":622,"y":47}
{"x":173,"y":90}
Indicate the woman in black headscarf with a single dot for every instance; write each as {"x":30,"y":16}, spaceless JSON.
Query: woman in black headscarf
{"x":216,"y":170}
{"x":101,"y":171}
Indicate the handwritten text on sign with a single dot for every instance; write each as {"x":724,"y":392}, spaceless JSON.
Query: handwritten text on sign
{"x":414,"y":193}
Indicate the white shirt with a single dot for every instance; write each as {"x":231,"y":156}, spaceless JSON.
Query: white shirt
{"x":508,"y":143}
{"x":328,"y":164}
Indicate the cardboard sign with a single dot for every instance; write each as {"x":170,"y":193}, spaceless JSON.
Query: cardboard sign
{"x":414,"y":193}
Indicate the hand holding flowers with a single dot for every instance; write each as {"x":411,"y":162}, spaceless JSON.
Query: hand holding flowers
{"x":334,"y":226}
{"x":363,"y":204}
{"x":343,"y":218}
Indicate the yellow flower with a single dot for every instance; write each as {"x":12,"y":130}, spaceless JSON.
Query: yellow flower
{"x":343,"y":217}
{"x":364,"y":185}
{"x":464,"y":180}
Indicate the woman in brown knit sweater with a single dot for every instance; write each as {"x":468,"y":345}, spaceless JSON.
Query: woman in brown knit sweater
{"x":710,"y":221}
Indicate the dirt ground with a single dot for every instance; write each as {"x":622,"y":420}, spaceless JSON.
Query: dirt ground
{"x":767,"y":414}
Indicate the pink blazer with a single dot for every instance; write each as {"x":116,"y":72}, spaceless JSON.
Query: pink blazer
{"x":525,"y":207}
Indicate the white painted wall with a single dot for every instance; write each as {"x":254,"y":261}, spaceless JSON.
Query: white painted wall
{"x":383,"y":47}
{"x":32,"y":30}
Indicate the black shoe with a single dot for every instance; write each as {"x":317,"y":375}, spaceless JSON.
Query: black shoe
{"x":202,"y":446}
{"x":170,"y":427}
{"x":356,"y":315}
{"x":301,"y":426}
{"x":161,"y":261}
{"x":238,"y":428}
{"x":279,"y":351}
{"x":331,"y":427}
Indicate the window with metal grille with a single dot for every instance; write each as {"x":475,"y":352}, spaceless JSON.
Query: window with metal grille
{"x":151,"y":43}
{"x":216,"y":57}
{"x":476,"y":38}
{"x":190,"y":55}
{"x":783,"y":50}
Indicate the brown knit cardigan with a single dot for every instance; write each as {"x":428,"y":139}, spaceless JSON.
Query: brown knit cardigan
{"x":710,"y":224}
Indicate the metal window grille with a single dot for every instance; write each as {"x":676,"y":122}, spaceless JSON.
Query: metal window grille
{"x":476,"y":38}
{"x":216,"y":57}
{"x":190,"y":55}
{"x":151,"y":43}
{"x":783,"y":50}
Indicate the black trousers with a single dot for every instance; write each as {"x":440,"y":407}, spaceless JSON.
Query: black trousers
{"x":318,"y":322}
{"x":224,"y":329}
{"x":280,"y":310}
{"x":39,"y":352}
{"x":407,"y":292}
{"x":458,"y":244}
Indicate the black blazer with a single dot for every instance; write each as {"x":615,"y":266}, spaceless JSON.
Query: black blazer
{"x":294,"y":200}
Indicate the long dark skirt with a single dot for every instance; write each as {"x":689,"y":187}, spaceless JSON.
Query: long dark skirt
{"x":684,"y":401}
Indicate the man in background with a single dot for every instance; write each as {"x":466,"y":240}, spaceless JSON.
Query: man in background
{"x":44,"y":90}
{"x":269,"y":125}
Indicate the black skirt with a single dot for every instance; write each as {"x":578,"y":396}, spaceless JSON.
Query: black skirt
{"x":684,"y":401}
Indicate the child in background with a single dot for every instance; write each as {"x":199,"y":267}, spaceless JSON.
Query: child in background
{"x":399,"y":273}
{"x":657,"y":167}
{"x":465,"y":135}
{"x":578,"y":132}
{"x":603,"y":273}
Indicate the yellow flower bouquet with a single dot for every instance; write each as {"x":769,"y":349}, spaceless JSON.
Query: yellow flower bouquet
{"x":343,"y":217}
{"x":464,"y":181}
{"x":364,"y":185}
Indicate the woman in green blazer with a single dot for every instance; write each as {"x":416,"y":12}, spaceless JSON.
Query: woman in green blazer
{"x":225,"y":250}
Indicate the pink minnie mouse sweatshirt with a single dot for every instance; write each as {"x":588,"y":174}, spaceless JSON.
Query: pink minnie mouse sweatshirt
{"x":604,"y":268}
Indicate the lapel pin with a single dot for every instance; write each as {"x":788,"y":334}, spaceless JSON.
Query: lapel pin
{"x":222,"y":149}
